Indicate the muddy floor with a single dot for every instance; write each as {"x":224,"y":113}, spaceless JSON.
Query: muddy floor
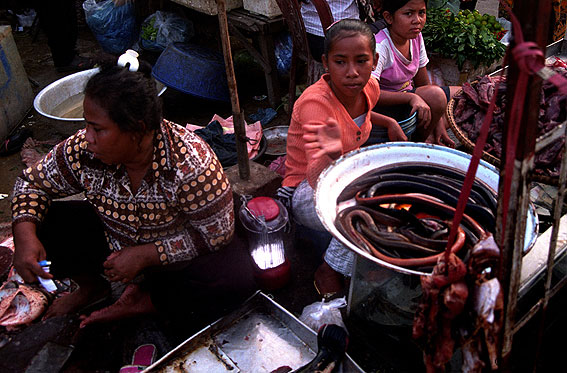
{"x":60,"y":345}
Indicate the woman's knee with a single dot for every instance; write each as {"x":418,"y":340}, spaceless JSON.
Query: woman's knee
{"x":434,"y":96}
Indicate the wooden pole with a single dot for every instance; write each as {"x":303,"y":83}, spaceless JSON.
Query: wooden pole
{"x":534,"y":19}
{"x":237,"y":114}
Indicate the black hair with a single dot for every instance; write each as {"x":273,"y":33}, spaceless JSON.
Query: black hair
{"x":129,"y":97}
{"x":391,"y":6}
{"x":346,"y":28}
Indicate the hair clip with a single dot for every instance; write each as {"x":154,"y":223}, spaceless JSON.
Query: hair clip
{"x":331,"y":25}
{"x":130,"y":58}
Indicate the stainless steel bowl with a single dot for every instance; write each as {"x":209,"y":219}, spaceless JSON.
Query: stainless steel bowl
{"x":276,"y":137}
{"x":62,"y":101}
{"x":346,"y":169}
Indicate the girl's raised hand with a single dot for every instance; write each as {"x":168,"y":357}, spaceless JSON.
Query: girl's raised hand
{"x":423,"y":110}
{"x":323,"y":139}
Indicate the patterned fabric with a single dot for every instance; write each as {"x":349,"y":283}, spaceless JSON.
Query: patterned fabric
{"x":337,"y":255}
{"x":183,"y":205}
{"x":315,"y":105}
{"x":393,"y":70}
{"x":369,"y":10}
{"x":339,"y":258}
{"x":303,"y":207}
{"x":340,"y":9}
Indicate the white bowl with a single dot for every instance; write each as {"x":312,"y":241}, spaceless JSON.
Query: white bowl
{"x":337,"y":176}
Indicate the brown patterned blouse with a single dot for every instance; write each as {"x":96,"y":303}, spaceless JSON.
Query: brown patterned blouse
{"x":183,"y":205}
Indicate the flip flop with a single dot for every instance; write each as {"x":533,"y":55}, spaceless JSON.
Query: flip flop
{"x":77,"y":64}
{"x":15,"y":142}
{"x":143,"y":357}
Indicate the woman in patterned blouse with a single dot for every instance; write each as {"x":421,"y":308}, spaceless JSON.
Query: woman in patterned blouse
{"x":155,"y":193}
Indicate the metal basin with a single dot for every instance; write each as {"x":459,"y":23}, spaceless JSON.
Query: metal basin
{"x":276,"y":137}
{"x":343,"y":171}
{"x":62,"y":101}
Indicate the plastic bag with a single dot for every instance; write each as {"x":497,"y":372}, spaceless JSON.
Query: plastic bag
{"x":26,"y":18}
{"x":320,"y":313}
{"x":507,"y":25}
{"x":283,"y":49}
{"x":162,"y":28}
{"x":454,"y":5}
{"x":113,"y":26}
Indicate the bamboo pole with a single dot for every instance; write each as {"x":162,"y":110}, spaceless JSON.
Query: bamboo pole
{"x":237,"y":114}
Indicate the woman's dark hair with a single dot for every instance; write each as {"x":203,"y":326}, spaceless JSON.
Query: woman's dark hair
{"x":346,"y":28}
{"x":128,"y":97}
{"x":391,"y":6}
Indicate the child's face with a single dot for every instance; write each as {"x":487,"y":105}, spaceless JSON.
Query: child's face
{"x":350,"y":62}
{"x":408,"y":21}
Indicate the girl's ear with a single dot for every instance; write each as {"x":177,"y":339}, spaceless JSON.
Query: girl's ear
{"x":388,"y":17}
{"x":325,"y":62}
{"x":375,"y":61}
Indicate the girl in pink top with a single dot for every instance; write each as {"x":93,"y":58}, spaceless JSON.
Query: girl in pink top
{"x":402,"y":72}
{"x":337,"y":107}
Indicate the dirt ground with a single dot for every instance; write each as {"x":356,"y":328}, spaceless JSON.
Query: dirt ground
{"x":108,"y":347}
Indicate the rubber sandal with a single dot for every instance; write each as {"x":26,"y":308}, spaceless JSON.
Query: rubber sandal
{"x":132,"y":368}
{"x":144,"y":355}
{"x":15,"y":142}
{"x":142,"y":358}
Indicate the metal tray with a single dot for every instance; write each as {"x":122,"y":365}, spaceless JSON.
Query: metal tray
{"x":260,"y":336}
{"x":277,"y":140}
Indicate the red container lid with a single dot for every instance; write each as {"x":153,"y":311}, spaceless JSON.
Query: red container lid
{"x":264,"y":206}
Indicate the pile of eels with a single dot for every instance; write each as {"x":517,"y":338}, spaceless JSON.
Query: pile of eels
{"x":404,"y":212}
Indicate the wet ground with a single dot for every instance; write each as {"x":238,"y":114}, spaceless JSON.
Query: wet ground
{"x":59,"y":344}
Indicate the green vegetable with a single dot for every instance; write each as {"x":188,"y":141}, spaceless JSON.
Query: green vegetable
{"x":464,"y":36}
{"x":149,"y":32}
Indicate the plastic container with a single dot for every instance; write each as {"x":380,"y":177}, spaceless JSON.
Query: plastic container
{"x":265,"y":220}
{"x":16,"y":94}
{"x":193,"y":70}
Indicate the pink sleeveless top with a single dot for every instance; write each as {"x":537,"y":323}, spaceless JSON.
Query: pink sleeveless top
{"x":398,"y":76}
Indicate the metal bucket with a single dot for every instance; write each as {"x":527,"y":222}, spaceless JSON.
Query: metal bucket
{"x":343,"y":171}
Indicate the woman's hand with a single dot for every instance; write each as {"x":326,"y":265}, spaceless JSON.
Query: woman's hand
{"x":423,"y":110}
{"x":28,"y":252}
{"x":324,"y":139}
{"x":127,"y":263}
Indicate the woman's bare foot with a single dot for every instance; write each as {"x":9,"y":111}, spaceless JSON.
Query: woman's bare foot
{"x":133,"y":301}
{"x":90,"y":289}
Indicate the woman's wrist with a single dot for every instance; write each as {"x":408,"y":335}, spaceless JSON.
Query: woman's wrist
{"x":24,"y":232}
